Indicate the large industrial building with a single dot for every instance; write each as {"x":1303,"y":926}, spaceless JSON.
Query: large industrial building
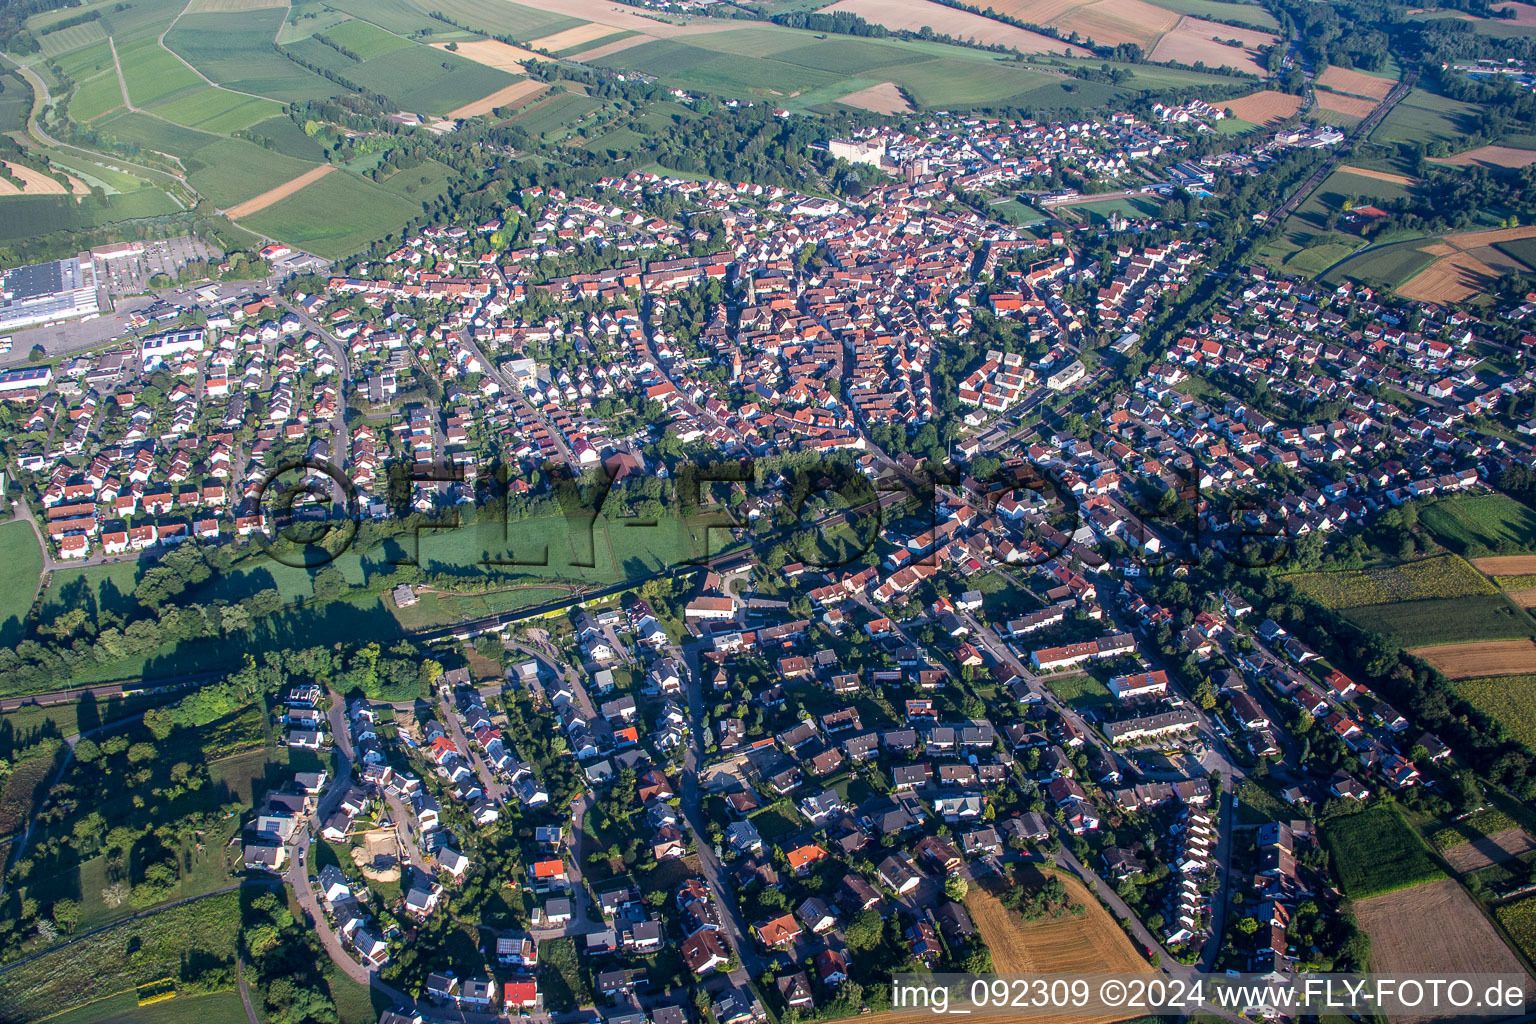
{"x":47,"y":292}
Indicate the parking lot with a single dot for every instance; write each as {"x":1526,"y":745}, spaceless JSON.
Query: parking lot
{"x":130,"y":274}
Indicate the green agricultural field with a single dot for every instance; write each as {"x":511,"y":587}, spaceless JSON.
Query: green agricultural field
{"x":135,"y":129}
{"x":28,"y":217}
{"x":395,"y":16}
{"x":75,"y":37}
{"x":289,"y":139}
{"x":1481,"y":523}
{"x":428,"y":80}
{"x":418,"y":183}
{"x":1519,"y":920}
{"x":1214,"y":10}
{"x":230,"y":171}
{"x":115,"y":961}
{"x":82,"y":64}
{"x":23,"y":559}
{"x":1315,"y":259}
{"x":216,"y":110}
{"x":1445,"y":621}
{"x":1510,"y":700}
{"x":96,"y":96}
{"x":235,"y":49}
{"x":336,"y":216}
{"x":153,"y":72}
{"x":1389,"y":265}
{"x":1522,"y":250}
{"x":366,"y":40}
{"x":571,"y":51}
{"x":140,"y":19}
{"x":556,"y":113}
{"x":1375,"y":852}
{"x":506,"y":19}
{"x":1425,"y":117}
{"x":1440,"y":577}
{"x":1342,"y":187}
{"x":15,"y":103}
{"x":125,"y":1009}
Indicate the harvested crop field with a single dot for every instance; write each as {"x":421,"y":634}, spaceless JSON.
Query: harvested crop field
{"x":1356,"y":83}
{"x":1366,"y":172}
{"x":283,"y":191}
{"x":1433,"y":929}
{"x":495,"y":54}
{"x":1483,"y":658}
{"x":1070,"y":944}
{"x":1195,"y":40}
{"x":1455,"y":278}
{"x":572,"y":37}
{"x":885,"y":98}
{"x":1493,"y":236}
{"x":1490,"y":157}
{"x":1264,"y":107}
{"x":37,"y":183}
{"x":1489,"y":850}
{"x":1349,"y":106}
{"x":514,"y":93}
{"x":1112,"y":22}
{"x":912,"y":15}
{"x":1507,"y":565}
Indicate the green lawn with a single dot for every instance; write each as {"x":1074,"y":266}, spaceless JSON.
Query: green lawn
{"x":1081,"y":692}
{"x":18,"y":550}
{"x":1375,"y":851}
